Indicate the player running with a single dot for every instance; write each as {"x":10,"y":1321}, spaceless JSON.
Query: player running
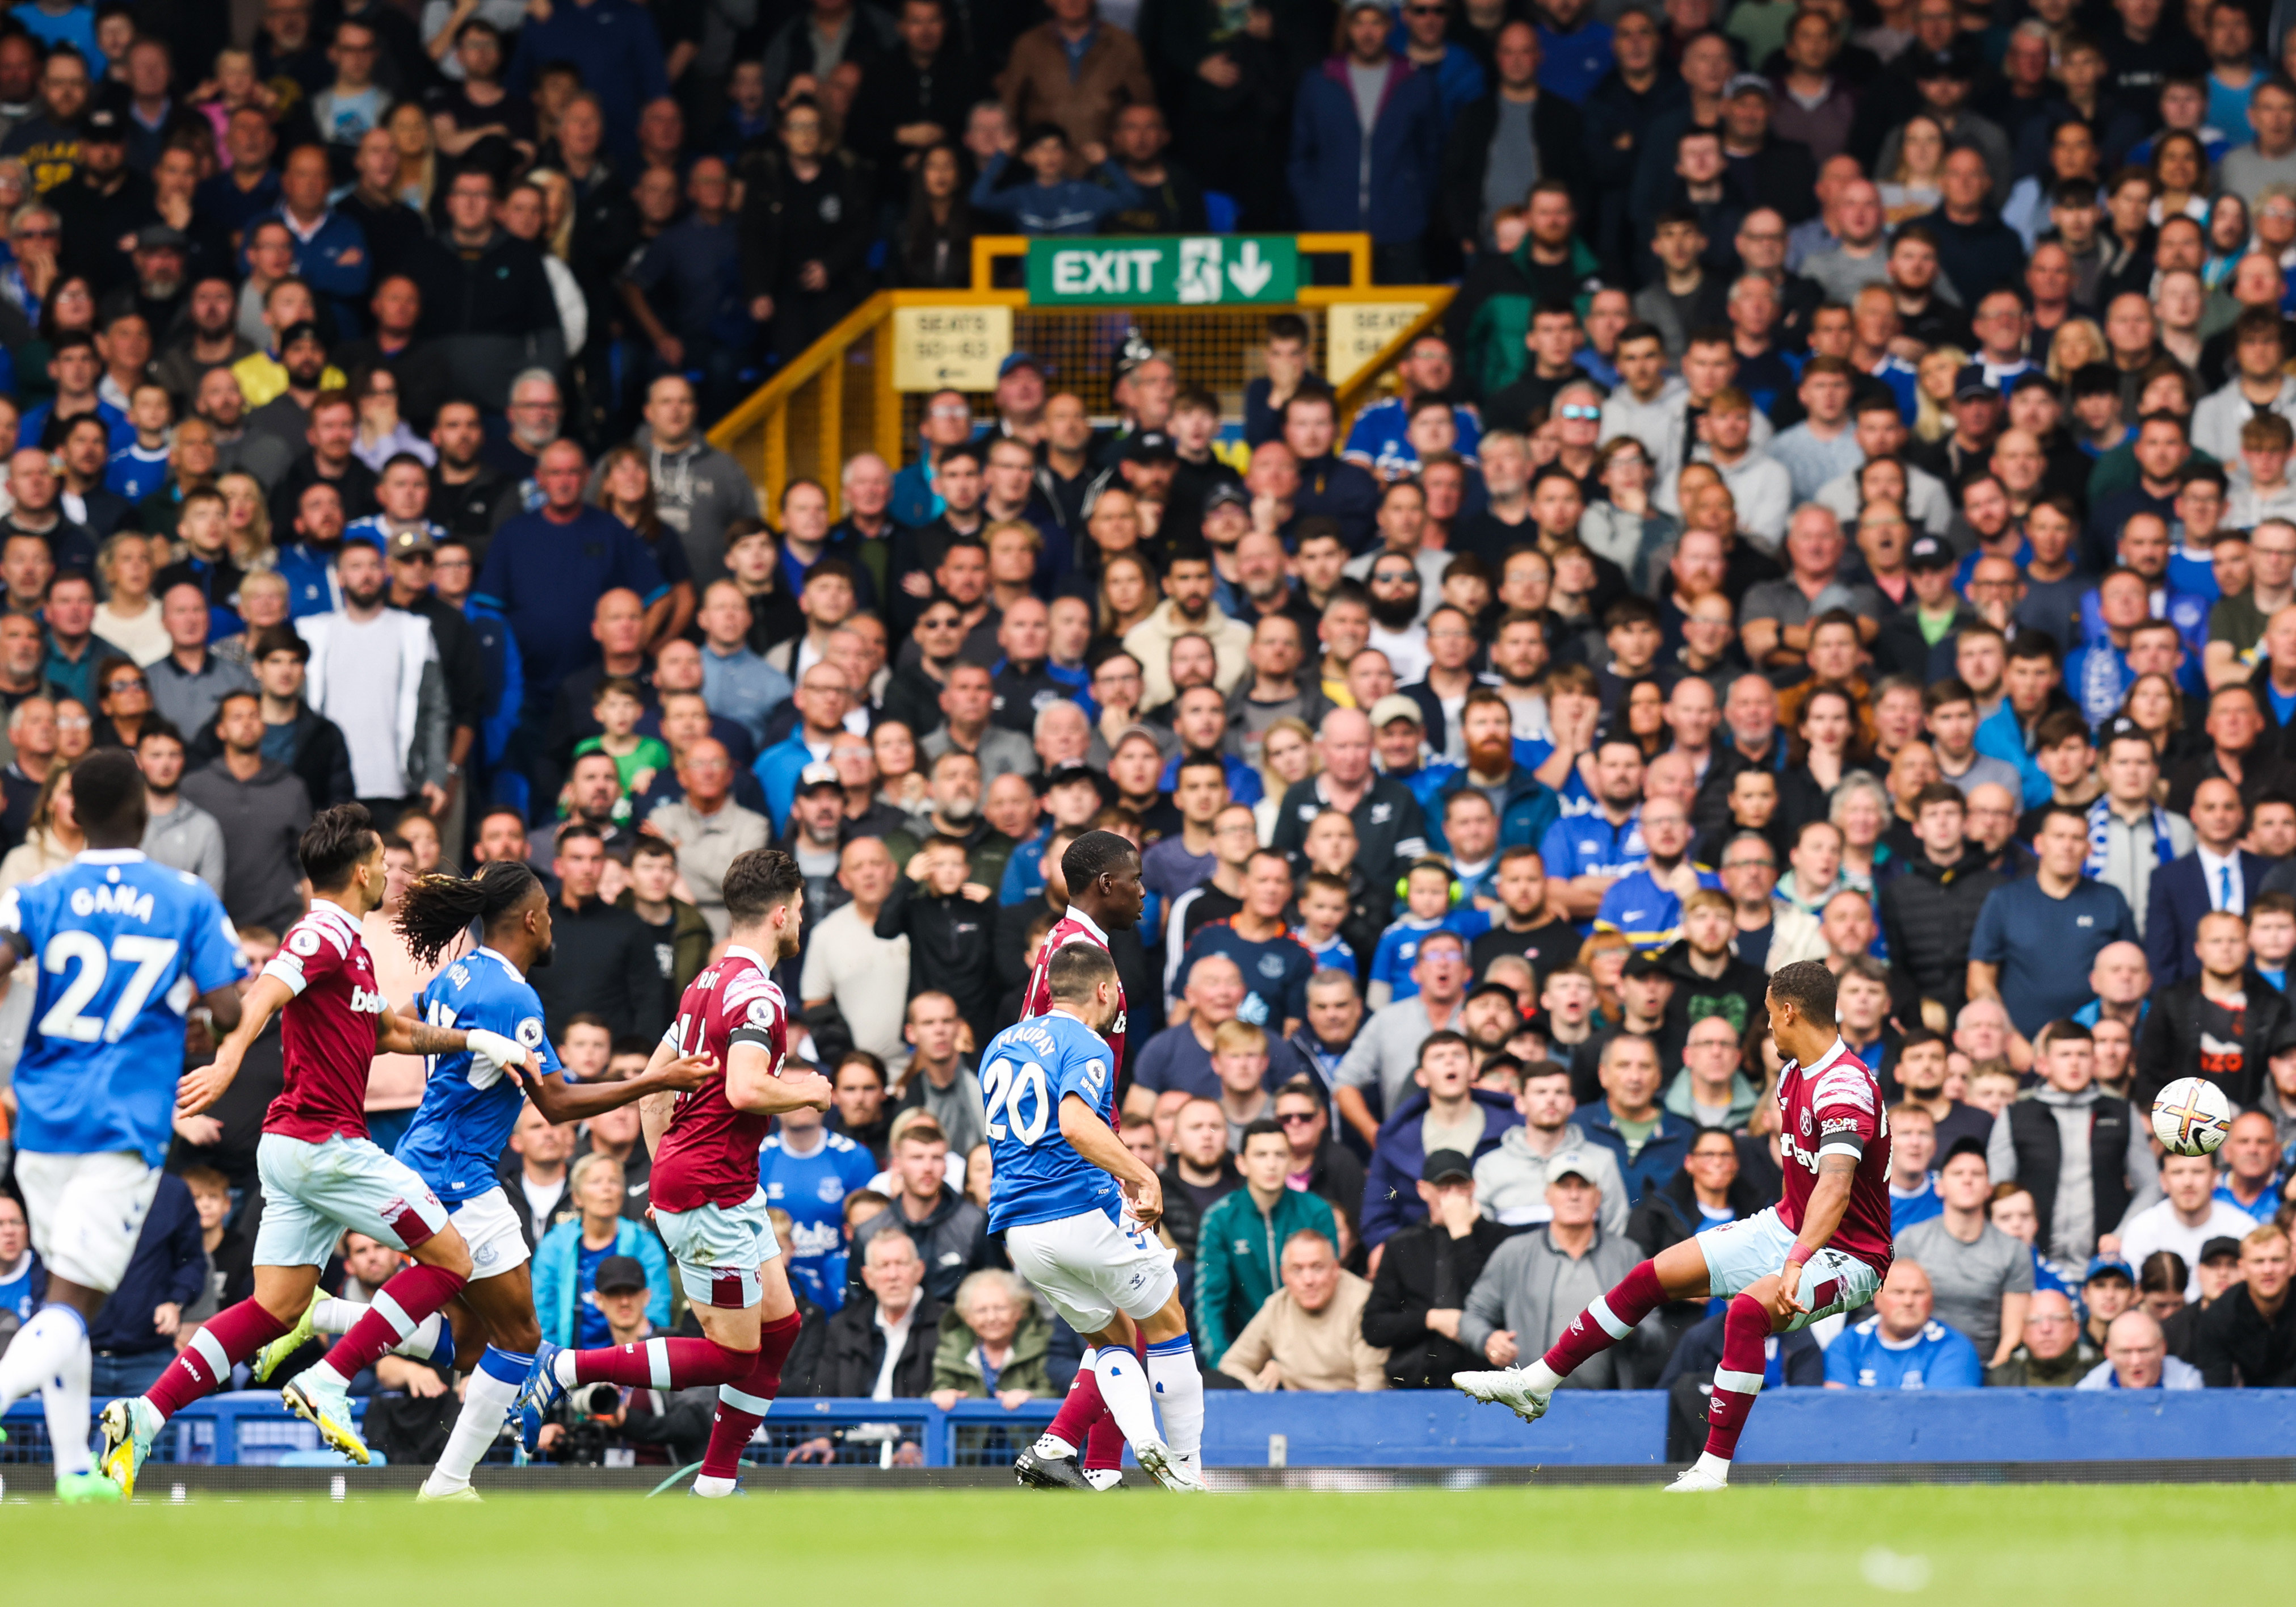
{"x":120,"y":947}
{"x":706,"y":1200}
{"x":1100,"y":874}
{"x":469,"y":1107}
{"x":1834,"y":1219}
{"x":321,"y":1173}
{"x":1061,"y":1183}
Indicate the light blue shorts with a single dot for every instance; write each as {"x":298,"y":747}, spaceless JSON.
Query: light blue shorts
{"x":1743,"y":1253}
{"x":720,"y":1250}
{"x":312,"y":1192}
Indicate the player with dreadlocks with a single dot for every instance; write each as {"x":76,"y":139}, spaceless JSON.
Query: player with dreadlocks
{"x":469,"y":1107}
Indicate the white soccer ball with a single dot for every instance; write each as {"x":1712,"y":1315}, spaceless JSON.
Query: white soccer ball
{"x":2191,"y":1116}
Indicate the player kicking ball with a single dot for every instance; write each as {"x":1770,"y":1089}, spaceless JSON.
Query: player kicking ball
{"x":321,"y":1174}
{"x":706,"y":1200}
{"x":1061,"y":1183}
{"x":1830,"y":1229}
{"x":119,"y":948}
{"x":469,"y":1107}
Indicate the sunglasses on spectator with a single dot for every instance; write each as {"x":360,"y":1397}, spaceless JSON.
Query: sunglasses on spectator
{"x":126,"y":683}
{"x":1299,"y":1118}
{"x":1578,"y":410}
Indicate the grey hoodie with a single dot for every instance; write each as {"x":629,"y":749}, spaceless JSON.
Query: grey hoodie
{"x":1743,"y":1097}
{"x":697,"y":490}
{"x":1511,"y":1180}
{"x":187,"y":838}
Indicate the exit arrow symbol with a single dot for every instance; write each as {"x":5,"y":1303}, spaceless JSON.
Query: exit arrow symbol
{"x":1248,"y":273}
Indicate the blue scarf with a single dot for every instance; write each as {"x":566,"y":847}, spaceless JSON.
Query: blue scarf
{"x":2100,"y":821}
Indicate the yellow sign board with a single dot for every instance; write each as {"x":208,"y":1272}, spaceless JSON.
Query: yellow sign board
{"x":959,"y":347}
{"x":1358,"y":331}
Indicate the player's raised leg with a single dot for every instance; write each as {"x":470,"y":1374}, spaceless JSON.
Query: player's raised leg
{"x":1677,"y":1273}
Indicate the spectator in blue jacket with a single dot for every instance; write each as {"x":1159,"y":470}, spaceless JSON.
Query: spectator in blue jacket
{"x":331,"y":249}
{"x":614,"y":46}
{"x":1651,"y":1143}
{"x":1418,"y":37}
{"x":568,"y":1260}
{"x":1052,"y":202}
{"x":1450,"y":1112}
{"x":1367,"y":145}
{"x":134,"y":1336}
{"x":1901,"y":1346}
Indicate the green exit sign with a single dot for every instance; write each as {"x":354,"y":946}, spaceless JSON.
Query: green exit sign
{"x":1173,"y":270}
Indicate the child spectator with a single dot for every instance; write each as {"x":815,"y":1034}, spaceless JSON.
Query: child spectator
{"x":1427,"y":905}
{"x":140,"y":468}
{"x":617,"y":706}
{"x":1053,"y":203}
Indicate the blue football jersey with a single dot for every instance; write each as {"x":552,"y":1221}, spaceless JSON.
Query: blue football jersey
{"x":121,"y":948}
{"x":812,"y":1189}
{"x":1029,"y":1068}
{"x":460,"y":1129}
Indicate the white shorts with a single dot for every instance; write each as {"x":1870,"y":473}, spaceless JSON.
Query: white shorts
{"x":490,"y":1228}
{"x":1090,"y":1267}
{"x":1747,"y":1251}
{"x":86,"y":1211}
{"x":720,"y":1250}
{"x":312,"y":1192}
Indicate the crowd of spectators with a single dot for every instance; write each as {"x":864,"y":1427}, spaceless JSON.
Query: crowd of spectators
{"x":1844,"y":516}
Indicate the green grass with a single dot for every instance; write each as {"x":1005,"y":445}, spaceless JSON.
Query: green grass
{"x":1957,"y":1546}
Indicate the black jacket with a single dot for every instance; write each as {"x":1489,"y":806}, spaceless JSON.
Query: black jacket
{"x":2033,"y":1137}
{"x":567,"y":1209}
{"x":1736,"y":995}
{"x":318,"y":754}
{"x":1424,"y":1269}
{"x":775,"y":242}
{"x":949,"y":948}
{"x":1928,"y":914}
{"x":1183,"y":1220}
{"x":501,"y":288}
{"x":601,"y":961}
{"x":2236,"y":1347}
{"x":2169,"y":1045}
{"x":853,"y":1350}
{"x":1557,"y":130}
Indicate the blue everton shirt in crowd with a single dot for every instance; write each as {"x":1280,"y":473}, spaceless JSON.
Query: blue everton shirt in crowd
{"x":545,"y":577}
{"x":812,"y":1187}
{"x":1920,"y":1206}
{"x":1938,"y":1358}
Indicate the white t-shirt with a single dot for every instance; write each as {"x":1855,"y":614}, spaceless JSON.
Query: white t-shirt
{"x":2158,"y":1227}
{"x":363,"y":699}
{"x":541,"y":1200}
{"x":868,"y":975}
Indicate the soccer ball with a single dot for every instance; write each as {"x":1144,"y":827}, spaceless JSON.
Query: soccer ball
{"x":2191,"y":1116}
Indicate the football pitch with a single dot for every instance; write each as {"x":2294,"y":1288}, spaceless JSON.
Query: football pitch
{"x":1958,"y":1545}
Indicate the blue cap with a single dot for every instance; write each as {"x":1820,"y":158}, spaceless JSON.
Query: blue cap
{"x":2101,"y":1267}
{"x":1021,"y":360}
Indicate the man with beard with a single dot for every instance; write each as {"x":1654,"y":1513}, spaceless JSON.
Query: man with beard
{"x":294,"y":381}
{"x":327,"y":460}
{"x":1592,"y":851}
{"x":1396,"y":589}
{"x":212,"y":340}
{"x":1525,"y":805}
{"x":468,"y":500}
{"x":1187,"y":610}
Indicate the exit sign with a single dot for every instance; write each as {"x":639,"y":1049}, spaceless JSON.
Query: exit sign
{"x":1174,"y":270}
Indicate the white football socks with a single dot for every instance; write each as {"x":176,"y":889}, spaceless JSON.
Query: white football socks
{"x":1539,"y":1376}
{"x":486,"y":1401}
{"x":50,"y":1354}
{"x":1178,"y":1386}
{"x":1124,"y":1387}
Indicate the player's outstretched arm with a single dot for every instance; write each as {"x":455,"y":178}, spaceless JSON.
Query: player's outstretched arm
{"x":204,"y":1086}
{"x":402,"y":1032}
{"x":561,"y":1102}
{"x":752,"y":1086}
{"x":1829,"y":1197}
{"x":1090,"y":1135}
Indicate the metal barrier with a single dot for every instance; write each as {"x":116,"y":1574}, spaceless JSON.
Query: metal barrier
{"x":1404,"y":1430}
{"x":862,"y":386}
